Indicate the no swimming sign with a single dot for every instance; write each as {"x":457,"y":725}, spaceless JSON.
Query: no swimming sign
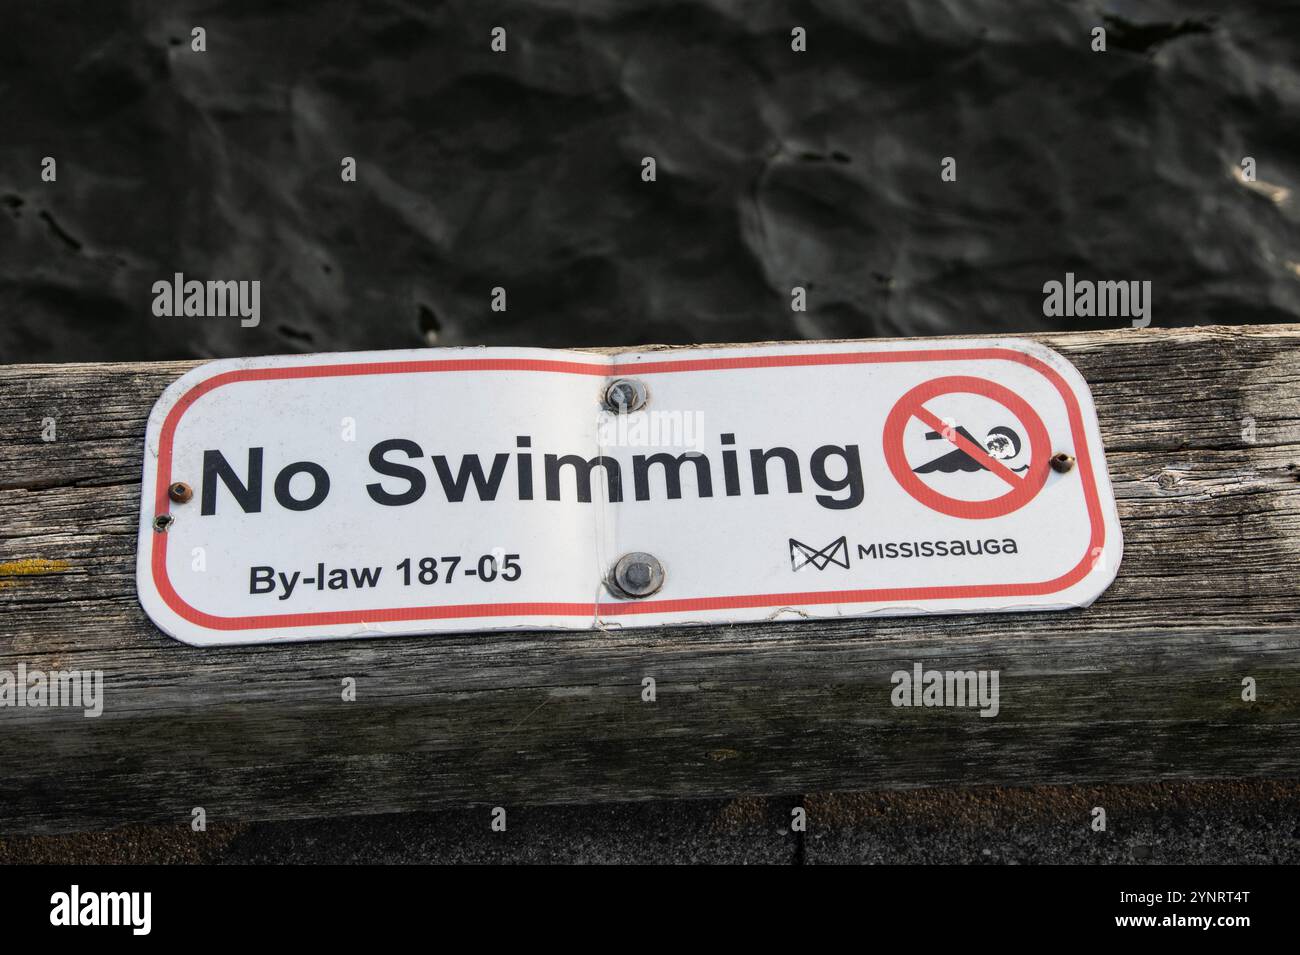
{"x":337,"y":496}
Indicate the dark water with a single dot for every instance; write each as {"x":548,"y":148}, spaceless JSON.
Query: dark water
{"x":523,"y":169}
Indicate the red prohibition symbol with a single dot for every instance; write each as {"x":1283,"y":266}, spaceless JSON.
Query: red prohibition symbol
{"x":1023,"y":487}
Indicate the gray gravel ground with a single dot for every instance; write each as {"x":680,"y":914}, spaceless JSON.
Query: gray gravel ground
{"x":1200,"y":823}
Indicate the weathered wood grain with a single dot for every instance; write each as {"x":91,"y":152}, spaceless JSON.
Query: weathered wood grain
{"x":1143,"y":685}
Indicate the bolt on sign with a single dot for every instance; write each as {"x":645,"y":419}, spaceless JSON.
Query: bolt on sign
{"x":416,"y":492}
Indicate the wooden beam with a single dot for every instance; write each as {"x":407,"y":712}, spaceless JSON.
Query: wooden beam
{"x":1144,"y":685}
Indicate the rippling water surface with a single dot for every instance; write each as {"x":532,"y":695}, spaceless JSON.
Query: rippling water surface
{"x":523,"y":169}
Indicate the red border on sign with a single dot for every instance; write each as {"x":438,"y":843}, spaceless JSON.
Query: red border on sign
{"x":1023,"y":489}
{"x":162,"y":503}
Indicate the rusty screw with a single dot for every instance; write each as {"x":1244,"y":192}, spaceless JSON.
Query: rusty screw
{"x":636,"y":575}
{"x":162,"y":522}
{"x":180,"y":492}
{"x":1062,"y":462}
{"x":625,"y":395}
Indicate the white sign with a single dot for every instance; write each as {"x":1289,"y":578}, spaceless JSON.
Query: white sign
{"x":333,"y":496}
